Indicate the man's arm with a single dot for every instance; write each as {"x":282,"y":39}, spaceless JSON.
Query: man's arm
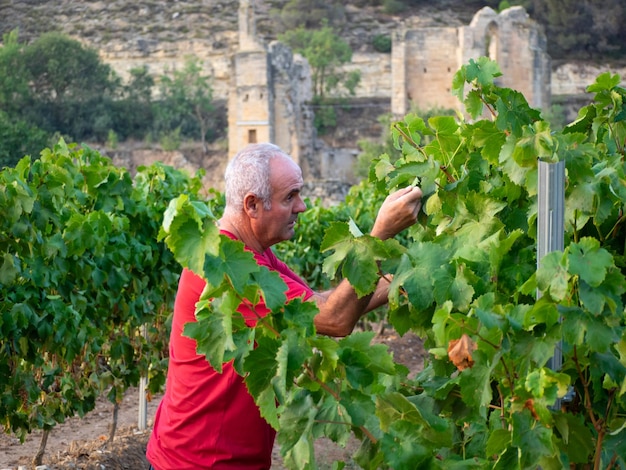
{"x":341,"y":308}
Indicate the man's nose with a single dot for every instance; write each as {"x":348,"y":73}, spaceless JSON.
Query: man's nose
{"x":300,"y":206}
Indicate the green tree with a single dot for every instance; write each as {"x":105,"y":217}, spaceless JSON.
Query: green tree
{"x":326,"y":52}
{"x":19,"y":138}
{"x":14,"y":88}
{"x":133,"y":111}
{"x":72,"y":89}
{"x":187,"y":101}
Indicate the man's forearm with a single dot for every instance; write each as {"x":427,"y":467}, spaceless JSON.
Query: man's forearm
{"x":341,"y":309}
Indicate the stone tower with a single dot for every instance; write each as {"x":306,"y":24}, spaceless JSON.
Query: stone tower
{"x":248,"y":99}
{"x":424,"y":60}
{"x":269,"y":96}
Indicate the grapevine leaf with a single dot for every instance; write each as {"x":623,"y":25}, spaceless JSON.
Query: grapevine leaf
{"x":589,"y":261}
{"x":616,"y":442}
{"x":536,"y":382}
{"x":579,"y":202}
{"x":578,"y":156}
{"x":394,"y":407}
{"x":383,"y":167}
{"x":296,"y":424}
{"x":593,"y":299}
{"x":600,"y":336}
{"x":415,"y":274}
{"x":576,"y":437}
{"x":361,"y":270}
{"x":456,"y":288}
{"x":290,"y":356}
{"x":8,"y":270}
{"x":488,"y":138}
{"x":406,"y":134}
{"x":358,"y":256}
{"x":361,"y":408}
{"x":509,"y":460}
{"x":336,"y":421}
{"x":261,"y":365}
{"x":620,"y":346}
{"x":337,"y":237}
{"x":298,"y":316}
{"x":525,"y":152}
{"x":354,"y":229}
{"x":482,"y":71}
{"x":446,"y":138}
{"x":234,"y":262}
{"x":474,"y":103}
{"x":534,"y":438}
{"x":606,"y":365}
{"x":514,"y":112}
{"x":407,"y":172}
{"x":266,"y":401}
{"x":272,"y":286}
{"x":433,"y":204}
{"x":543,"y":312}
{"x":515,"y":172}
{"x":475,"y":385}
{"x":418,"y":287}
{"x":460,"y":352}
{"x":440,"y":319}
{"x":401,"y":319}
{"x":604,"y":82}
{"x":329,"y":349}
{"x":189,"y":233}
{"x":553,"y":275}
{"x":213,"y":330}
{"x":483,"y":308}
{"x":362,"y":359}
{"x":404,"y":450}
{"x":498,"y":441}
{"x":458,"y":83}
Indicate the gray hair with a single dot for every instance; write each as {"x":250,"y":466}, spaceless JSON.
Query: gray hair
{"x":249,"y":172}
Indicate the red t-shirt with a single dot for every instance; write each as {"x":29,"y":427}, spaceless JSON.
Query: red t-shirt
{"x":207,"y":419}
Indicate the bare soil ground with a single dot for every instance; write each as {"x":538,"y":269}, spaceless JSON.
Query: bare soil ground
{"x":83,"y":443}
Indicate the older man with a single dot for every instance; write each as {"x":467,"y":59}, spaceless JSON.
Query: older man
{"x":207,"y":419}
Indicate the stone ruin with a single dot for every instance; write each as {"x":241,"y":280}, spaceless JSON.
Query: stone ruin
{"x":267,"y":89}
{"x":270,"y":88}
{"x":424,"y":60}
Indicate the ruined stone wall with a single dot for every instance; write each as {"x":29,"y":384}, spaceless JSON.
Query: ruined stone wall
{"x":424,"y":60}
{"x":292,"y":116}
{"x":269,"y":101}
{"x":161,"y":57}
{"x":518,"y":44}
{"x":431,"y":61}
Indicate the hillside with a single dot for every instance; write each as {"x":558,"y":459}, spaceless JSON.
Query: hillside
{"x":161,"y":34}
{"x":145,"y":22}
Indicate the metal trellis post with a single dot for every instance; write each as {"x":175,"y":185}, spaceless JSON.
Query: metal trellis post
{"x":550,"y":227}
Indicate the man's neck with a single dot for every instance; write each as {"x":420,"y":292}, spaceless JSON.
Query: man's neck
{"x":241,"y":230}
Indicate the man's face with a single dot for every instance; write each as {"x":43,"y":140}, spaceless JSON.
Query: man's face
{"x":277,"y":224}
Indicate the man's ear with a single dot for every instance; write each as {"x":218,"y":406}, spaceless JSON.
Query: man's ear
{"x":250,"y":205}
